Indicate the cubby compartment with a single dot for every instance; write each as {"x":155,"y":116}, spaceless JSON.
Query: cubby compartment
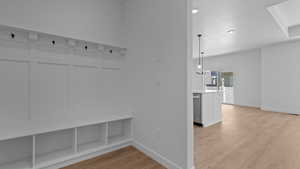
{"x":53,"y":146}
{"x":16,"y":153}
{"x":91,"y":137}
{"x":119,"y":130}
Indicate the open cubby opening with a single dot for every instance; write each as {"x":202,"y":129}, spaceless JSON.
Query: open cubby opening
{"x":16,"y":153}
{"x":54,"y":145}
{"x":119,"y":130}
{"x":46,"y":149}
{"x":91,"y":137}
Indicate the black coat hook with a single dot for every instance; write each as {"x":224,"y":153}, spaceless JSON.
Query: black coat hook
{"x":12,"y":35}
{"x":86,"y":47}
{"x":53,"y":42}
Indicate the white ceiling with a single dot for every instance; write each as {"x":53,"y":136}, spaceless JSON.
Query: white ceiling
{"x":287,"y":15}
{"x":254,"y":25}
{"x":290,"y":12}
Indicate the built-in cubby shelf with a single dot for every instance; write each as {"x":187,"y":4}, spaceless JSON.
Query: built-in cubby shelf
{"x":91,"y":137}
{"x":53,"y":146}
{"x":46,"y":149}
{"x":22,"y":164}
{"x":16,"y":153}
{"x":119,"y":130}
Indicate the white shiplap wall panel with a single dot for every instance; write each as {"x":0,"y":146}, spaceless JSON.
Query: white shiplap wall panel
{"x":49,"y":91}
{"x":14,"y":73}
{"x":84,"y":93}
{"x":13,"y":90}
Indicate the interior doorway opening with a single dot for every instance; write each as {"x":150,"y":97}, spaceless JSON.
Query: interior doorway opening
{"x":228,"y":87}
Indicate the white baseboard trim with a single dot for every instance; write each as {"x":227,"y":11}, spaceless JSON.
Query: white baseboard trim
{"x":286,"y":110}
{"x":243,"y":105}
{"x":156,"y":156}
{"x":212,"y":123}
{"x":266,"y":108}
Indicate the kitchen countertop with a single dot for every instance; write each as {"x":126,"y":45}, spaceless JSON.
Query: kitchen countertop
{"x":207,"y":91}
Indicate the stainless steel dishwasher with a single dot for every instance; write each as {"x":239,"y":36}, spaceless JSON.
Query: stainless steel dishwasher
{"x":197,"y":108}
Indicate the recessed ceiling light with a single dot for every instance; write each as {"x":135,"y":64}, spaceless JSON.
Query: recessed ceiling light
{"x":194,"y":11}
{"x":231,"y":31}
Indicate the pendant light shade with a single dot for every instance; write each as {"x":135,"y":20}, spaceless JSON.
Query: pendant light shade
{"x":199,"y":66}
{"x":200,"y":58}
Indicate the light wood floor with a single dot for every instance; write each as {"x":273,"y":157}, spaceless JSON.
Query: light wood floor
{"x":126,"y":158}
{"x":249,"y":138}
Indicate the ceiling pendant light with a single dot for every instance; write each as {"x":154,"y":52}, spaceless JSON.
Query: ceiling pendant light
{"x":200,"y":58}
{"x":199,"y":66}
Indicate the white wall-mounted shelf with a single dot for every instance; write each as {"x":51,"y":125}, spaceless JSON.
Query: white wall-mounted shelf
{"x":49,"y":148}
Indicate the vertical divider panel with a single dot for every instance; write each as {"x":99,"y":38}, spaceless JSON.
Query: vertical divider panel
{"x":33,"y":151}
{"x":106,"y":132}
{"x":29,"y":90}
{"x":131,"y":128}
{"x":76,"y":140}
{"x":68,"y":91}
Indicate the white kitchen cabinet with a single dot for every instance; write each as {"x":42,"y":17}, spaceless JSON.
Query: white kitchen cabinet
{"x":211,"y":107}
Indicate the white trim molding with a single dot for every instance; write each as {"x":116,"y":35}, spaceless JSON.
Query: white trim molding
{"x":156,"y":156}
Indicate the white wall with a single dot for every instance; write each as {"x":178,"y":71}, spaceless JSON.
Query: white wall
{"x":91,"y":20}
{"x":158,"y":64}
{"x":246,"y":67}
{"x":280,"y":77}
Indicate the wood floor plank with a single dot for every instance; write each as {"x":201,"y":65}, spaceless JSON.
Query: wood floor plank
{"x":249,"y":138}
{"x":126,"y":158}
